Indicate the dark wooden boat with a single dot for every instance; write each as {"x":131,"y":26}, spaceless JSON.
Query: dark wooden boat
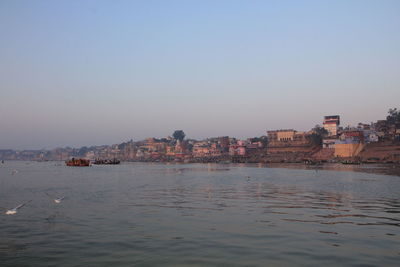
{"x":106,"y":161}
{"x":78,"y":162}
{"x":350,"y":162}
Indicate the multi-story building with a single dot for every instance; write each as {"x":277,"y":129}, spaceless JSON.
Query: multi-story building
{"x":352,"y":136}
{"x":200,"y":151}
{"x":286,"y":137}
{"x":238,"y":149}
{"x":370,"y":136}
{"x":283,"y":141}
{"x":331,"y":124}
{"x":224,"y":143}
{"x":154,"y":145}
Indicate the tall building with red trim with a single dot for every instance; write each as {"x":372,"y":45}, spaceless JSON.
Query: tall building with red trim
{"x":331,"y":124}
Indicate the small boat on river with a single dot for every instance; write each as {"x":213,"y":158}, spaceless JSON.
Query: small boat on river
{"x":78,"y":162}
{"x":106,"y":161}
{"x":351,"y":162}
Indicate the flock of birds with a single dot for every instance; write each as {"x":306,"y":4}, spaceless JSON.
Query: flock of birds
{"x":13,"y":211}
{"x":56,"y":200}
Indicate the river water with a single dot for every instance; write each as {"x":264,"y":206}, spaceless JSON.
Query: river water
{"x":138,"y":214}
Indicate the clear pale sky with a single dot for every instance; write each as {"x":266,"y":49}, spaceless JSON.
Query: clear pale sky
{"x":76,"y":73}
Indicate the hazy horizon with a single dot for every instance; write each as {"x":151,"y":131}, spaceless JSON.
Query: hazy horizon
{"x":83,"y":73}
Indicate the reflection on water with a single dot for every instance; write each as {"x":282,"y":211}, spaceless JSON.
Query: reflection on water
{"x":389,"y":169}
{"x":233,"y":215}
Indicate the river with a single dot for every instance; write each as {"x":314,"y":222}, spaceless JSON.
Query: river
{"x":142,"y":214}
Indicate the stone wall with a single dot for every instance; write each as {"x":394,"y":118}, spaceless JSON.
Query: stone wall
{"x":347,"y":150}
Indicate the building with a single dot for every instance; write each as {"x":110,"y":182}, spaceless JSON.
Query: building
{"x":201,"y":150}
{"x":238,"y":149}
{"x":153,"y":145}
{"x":350,"y":143}
{"x":370,"y":136}
{"x":224,"y":143}
{"x":328,"y":143}
{"x":348,"y":150}
{"x":352,"y":136}
{"x":288,"y":141}
{"x":181,"y":147}
{"x":331,"y":124}
{"x":288,"y":137}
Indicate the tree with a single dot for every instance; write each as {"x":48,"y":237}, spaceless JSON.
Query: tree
{"x":254,"y":139}
{"x":320,"y":131}
{"x":394,"y":116}
{"x":315,"y":139}
{"x":318,"y":134}
{"x":178,"y":135}
{"x":263,"y":139}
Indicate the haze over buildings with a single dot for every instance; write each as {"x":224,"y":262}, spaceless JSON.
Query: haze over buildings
{"x":100,"y":72}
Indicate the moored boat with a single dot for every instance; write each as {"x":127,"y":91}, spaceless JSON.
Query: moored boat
{"x":107,"y":161}
{"x":78,"y":162}
{"x":350,"y":162}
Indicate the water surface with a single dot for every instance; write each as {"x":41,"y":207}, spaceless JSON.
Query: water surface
{"x":197,"y":215}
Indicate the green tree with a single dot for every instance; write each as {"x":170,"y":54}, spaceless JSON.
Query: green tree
{"x":178,"y":135}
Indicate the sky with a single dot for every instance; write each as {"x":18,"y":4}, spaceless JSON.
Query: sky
{"x":81,"y":73}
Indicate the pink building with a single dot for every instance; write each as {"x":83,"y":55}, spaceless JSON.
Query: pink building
{"x":238,"y":150}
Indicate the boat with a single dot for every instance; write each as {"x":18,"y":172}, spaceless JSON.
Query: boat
{"x":310,"y":162}
{"x":106,"y":161}
{"x":78,"y":162}
{"x":350,"y":162}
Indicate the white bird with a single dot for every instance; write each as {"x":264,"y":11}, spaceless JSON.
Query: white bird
{"x":57,"y":200}
{"x":15,"y":210}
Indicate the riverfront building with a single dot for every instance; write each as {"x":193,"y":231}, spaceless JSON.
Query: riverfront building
{"x":331,"y":124}
{"x":288,"y":141}
{"x":288,"y":137}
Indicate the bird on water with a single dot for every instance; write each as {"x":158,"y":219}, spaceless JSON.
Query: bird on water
{"x":57,"y":200}
{"x":15,"y":210}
